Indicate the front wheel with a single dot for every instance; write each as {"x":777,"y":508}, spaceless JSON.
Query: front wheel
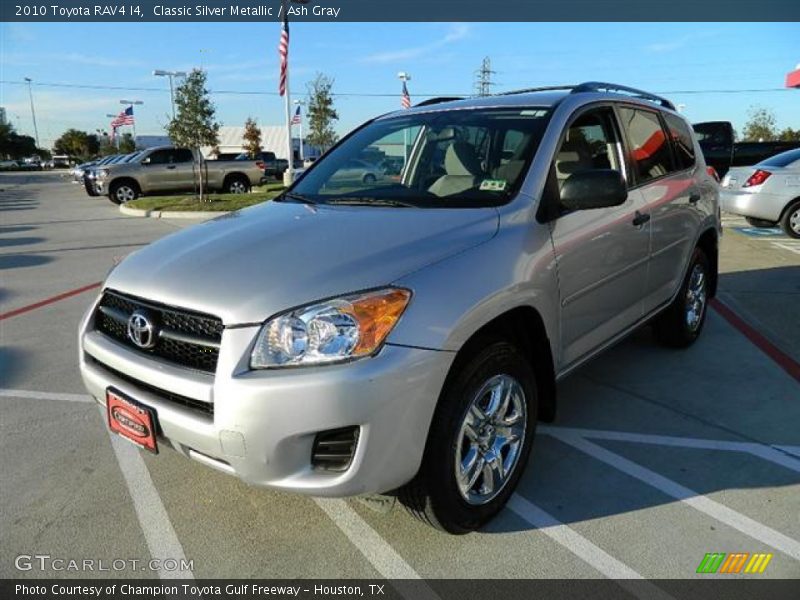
{"x":790,"y":223}
{"x":681,"y":323}
{"x":479,"y":442}
{"x":122,"y":193}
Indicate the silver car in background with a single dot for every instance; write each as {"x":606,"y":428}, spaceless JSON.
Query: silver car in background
{"x":767,"y":194}
{"x":405,"y":335}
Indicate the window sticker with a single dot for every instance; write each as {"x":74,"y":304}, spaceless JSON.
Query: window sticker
{"x":493,"y":185}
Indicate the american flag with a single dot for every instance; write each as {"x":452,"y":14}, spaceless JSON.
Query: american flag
{"x":296,"y":118}
{"x":283,"y":52}
{"x":405,"y":99}
{"x":123,"y":118}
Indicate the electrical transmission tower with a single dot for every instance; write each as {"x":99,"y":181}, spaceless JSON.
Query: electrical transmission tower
{"x":483,"y":78}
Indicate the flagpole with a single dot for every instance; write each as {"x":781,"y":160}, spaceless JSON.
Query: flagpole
{"x":288,"y":106}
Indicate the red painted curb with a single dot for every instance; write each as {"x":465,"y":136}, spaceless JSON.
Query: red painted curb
{"x":783,"y":360}
{"x":51,"y":300}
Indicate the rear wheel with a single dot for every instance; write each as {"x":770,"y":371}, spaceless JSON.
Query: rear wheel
{"x":479,"y":442}
{"x":123,"y":192}
{"x":237,"y":185}
{"x":790,"y":222}
{"x":369,"y":179}
{"x":680,"y":324}
{"x":753,"y":222}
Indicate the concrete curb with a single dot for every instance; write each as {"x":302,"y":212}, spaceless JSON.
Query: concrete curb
{"x":170,"y":214}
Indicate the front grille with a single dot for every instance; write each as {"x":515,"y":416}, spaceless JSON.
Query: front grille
{"x":334,"y":449}
{"x":206,"y":408}
{"x":186,"y":338}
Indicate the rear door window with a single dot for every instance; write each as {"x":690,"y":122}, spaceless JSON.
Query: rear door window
{"x":182,"y":155}
{"x":649,"y":149}
{"x":682,"y":142}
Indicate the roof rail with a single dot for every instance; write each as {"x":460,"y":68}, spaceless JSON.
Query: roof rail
{"x":438,"y":100}
{"x":599,"y":86}
{"x":546,"y":88}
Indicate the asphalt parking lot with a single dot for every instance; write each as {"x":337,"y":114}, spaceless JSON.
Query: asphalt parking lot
{"x":657,"y":456}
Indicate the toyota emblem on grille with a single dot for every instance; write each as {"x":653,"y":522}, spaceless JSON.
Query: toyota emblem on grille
{"x":141,"y":330}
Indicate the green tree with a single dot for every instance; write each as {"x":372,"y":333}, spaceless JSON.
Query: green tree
{"x":321,"y":113}
{"x":14,"y":145}
{"x":760,"y":126}
{"x":79,"y":144}
{"x":252,"y":138}
{"x":194,"y":125}
{"x":126,"y":144}
{"x":789,"y":135}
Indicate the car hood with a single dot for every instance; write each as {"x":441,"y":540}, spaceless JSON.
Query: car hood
{"x":246,"y":266}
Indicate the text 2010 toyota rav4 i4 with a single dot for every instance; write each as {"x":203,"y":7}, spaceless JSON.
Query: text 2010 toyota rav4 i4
{"x":363,"y":336}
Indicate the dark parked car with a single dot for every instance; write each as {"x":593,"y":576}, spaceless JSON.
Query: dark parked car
{"x":721,"y":152}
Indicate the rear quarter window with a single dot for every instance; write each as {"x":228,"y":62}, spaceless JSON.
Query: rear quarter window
{"x":682,"y":142}
{"x":782,"y":160}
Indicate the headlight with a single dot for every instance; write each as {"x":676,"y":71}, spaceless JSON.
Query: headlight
{"x":332,"y":331}
{"x":102,"y":173}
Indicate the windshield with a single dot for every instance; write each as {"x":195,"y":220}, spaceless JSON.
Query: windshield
{"x":449,"y":158}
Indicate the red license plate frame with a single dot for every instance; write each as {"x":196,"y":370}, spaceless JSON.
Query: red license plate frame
{"x":131,"y":420}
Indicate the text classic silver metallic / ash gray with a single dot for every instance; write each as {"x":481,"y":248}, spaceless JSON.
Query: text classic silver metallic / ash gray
{"x":404,"y":333}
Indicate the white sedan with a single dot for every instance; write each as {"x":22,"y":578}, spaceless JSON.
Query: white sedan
{"x":767,"y":193}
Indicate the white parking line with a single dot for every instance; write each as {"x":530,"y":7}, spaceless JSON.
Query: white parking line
{"x":376,"y":550}
{"x":775,"y":454}
{"x":591,"y":554}
{"x":160,"y":536}
{"x":45,"y":396}
{"x":718,"y":511}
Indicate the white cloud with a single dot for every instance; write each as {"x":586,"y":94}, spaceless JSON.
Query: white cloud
{"x":457,"y":31}
{"x":679,"y":42}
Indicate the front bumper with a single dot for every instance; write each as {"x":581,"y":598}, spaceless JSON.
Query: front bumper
{"x":759,"y":205}
{"x":264,"y":422}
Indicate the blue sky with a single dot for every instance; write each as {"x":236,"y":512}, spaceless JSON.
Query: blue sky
{"x":364,"y":58}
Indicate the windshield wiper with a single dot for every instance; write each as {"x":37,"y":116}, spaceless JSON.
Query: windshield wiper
{"x":358,"y":201}
{"x":296,"y":197}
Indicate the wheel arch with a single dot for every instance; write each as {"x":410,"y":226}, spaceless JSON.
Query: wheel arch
{"x":524,"y":327}
{"x":708,"y":242}
{"x":234,"y":175}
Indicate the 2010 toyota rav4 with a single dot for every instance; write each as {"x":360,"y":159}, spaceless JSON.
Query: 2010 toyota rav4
{"x":406,"y":333}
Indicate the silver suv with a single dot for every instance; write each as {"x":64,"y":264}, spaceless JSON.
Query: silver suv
{"x":405,"y":334}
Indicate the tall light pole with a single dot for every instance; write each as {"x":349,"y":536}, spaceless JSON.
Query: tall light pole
{"x":405,"y":78}
{"x":171,"y":75}
{"x":302,"y":151}
{"x":132,"y":103}
{"x":33,"y":111}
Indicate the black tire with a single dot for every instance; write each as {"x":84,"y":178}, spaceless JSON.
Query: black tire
{"x":90,"y":189}
{"x":433,"y":495}
{"x":237,"y":184}
{"x":121,"y":192}
{"x":790,"y":221}
{"x":369,"y":179}
{"x":761,"y":223}
{"x":674,"y":327}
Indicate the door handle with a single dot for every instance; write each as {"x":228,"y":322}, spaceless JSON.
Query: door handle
{"x":170,"y":167}
{"x":640,"y":218}
{"x":694,"y":198}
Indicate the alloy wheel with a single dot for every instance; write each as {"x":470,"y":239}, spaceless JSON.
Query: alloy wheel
{"x":696,"y":298}
{"x":490,"y":439}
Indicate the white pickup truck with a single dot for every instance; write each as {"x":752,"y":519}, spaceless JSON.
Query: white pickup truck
{"x":170,"y":169}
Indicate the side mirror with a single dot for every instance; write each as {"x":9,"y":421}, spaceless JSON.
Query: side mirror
{"x":595,"y":188}
{"x":146,"y":160}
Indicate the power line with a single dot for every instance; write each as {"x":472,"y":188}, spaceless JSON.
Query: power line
{"x":357,"y":94}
